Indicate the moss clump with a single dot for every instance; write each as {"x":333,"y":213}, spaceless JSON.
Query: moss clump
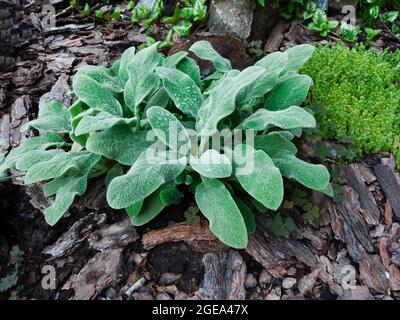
{"x":358,"y":92}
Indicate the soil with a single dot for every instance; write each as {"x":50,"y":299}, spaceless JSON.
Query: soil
{"x":97,"y":256}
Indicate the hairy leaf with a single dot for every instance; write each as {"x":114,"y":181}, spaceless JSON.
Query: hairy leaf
{"x":32,"y":157}
{"x":102,"y":76}
{"x":258,"y":175}
{"x":226,"y":220}
{"x":182,"y":90}
{"x":121,"y":143}
{"x":101,"y":121}
{"x":298,"y":55}
{"x":102,"y":100}
{"x":313,"y":176}
{"x":221,"y":102}
{"x":146,"y":175}
{"x":62,"y":163}
{"x":290,"y":118}
{"x":248,"y":215}
{"x":205,"y":51}
{"x":36,"y":143}
{"x":169,"y":130}
{"x":53,"y":117}
{"x":290,"y":92}
{"x":212,"y":164}
{"x":71,"y":187}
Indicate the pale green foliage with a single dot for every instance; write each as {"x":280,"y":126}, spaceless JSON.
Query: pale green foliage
{"x":138,"y":124}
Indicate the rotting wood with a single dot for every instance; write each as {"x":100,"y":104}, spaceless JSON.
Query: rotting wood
{"x":224,"y":277}
{"x":197,"y":236}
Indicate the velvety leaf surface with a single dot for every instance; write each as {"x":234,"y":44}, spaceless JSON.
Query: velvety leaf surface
{"x":134,"y":210}
{"x":218,"y":206}
{"x":205,"y":51}
{"x":182,"y":90}
{"x":71,"y":187}
{"x":290,"y":92}
{"x":53,"y":117}
{"x":313,"y":176}
{"x":95,"y":95}
{"x":221,"y":102}
{"x":169,"y":129}
{"x":258,"y":175}
{"x":126,"y":58}
{"x":152,"y":207}
{"x":248,"y":215}
{"x":35,"y":156}
{"x":142,"y":80}
{"x":212,"y":164}
{"x":145,"y":176}
{"x":298,"y":55}
{"x":102,"y":76}
{"x":290,"y":118}
{"x":121,"y":143}
{"x":273,"y":143}
{"x":190,"y":67}
{"x":173,"y":60}
{"x":60,"y":164}
{"x":101,"y":121}
{"x":41,"y":143}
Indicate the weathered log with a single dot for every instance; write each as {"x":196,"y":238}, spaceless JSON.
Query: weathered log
{"x":390,"y":185}
{"x":197,"y":236}
{"x":224,"y":277}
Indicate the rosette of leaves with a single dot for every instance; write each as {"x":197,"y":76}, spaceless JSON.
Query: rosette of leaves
{"x":119,"y":128}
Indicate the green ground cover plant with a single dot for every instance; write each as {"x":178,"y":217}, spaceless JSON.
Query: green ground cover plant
{"x":120,"y":128}
{"x":356,"y":97}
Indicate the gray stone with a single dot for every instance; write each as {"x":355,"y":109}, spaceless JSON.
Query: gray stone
{"x":357,"y":293}
{"x":250,"y":282}
{"x":169,"y":278}
{"x":339,"y":4}
{"x":231,"y":17}
{"x":288,"y":283}
{"x":321,"y":4}
{"x":265,"y":278}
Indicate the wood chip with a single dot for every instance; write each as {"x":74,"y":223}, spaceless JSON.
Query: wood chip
{"x":198,"y":237}
{"x":390,"y":185}
{"x":225,"y":274}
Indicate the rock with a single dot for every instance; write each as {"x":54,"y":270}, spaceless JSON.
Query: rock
{"x":231,"y":17}
{"x":272,"y":295}
{"x":357,"y":293}
{"x":265,"y":278}
{"x":322,"y":4}
{"x":250,"y":282}
{"x":339,"y":4}
{"x":142,"y":296}
{"x":394,"y":279}
{"x":288,"y":283}
{"x":264,"y":22}
{"x":308,"y":281}
{"x":168,"y":278}
{"x":163,"y":296}
{"x":19,"y":116}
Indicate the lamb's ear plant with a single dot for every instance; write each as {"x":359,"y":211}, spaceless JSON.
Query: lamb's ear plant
{"x":120,"y":128}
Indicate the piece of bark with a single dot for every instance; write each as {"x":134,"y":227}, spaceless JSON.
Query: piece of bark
{"x":336,"y":222}
{"x":384,"y":253}
{"x":225,"y":274}
{"x":388,"y":213}
{"x":390,"y":186}
{"x":74,"y":236}
{"x":116,"y":235}
{"x":372,"y":274}
{"x":60,"y":91}
{"x":275,"y":39}
{"x":394,"y":278}
{"x":357,"y":293}
{"x":264,"y":253}
{"x":356,"y":180}
{"x":100,"y":272}
{"x":308,"y":281}
{"x":197,"y":236}
{"x":350,"y":210}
